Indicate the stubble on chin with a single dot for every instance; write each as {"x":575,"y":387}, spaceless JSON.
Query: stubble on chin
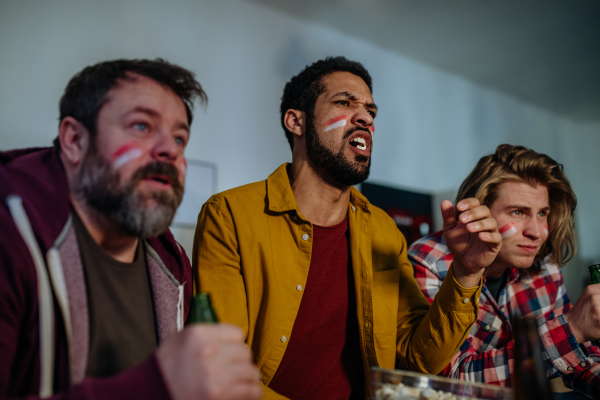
{"x":136,"y":213}
{"x":335,"y":168}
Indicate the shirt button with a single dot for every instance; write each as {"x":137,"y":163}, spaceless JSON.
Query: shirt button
{"x":487,"y":328}
{"x":466,"y":301}
{"x":353,"y":208}
{"x":305,"y":237}
{"x":299,"y":288}
{"x":283,"y":339}
{"x":261,"y":381}
{"x":582,"y":364}
{"x":570,"y":369}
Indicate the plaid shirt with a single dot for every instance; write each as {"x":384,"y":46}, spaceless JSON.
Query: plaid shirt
{"x":487,"y":355}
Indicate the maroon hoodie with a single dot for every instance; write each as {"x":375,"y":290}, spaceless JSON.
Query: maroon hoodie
{"x":44,"y":334}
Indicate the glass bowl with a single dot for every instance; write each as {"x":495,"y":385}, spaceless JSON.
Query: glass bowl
{"x":390,"y":384}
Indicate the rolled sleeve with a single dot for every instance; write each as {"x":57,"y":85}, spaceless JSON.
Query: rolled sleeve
{"x":561,"y":347}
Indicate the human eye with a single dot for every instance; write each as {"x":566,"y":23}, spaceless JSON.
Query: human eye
{"x":343,"y":102}
{"x":543,"y":214}
{"x":517,"y":213}
{"x":372,"y":113}
{"x":141,"y":126}
{"x":180,"y":140}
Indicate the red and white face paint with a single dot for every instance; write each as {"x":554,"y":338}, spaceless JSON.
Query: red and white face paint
{"x":334,"y":123}
{"x":183,"y":166}
{"x":545,"y":230}
{"x":372,"y":129}
{"x":125,"y":154}
{"x":508,"y":230}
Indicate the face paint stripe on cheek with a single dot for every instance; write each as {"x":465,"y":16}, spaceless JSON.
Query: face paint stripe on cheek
{"x":125,"y":154}
{"x":125,"y":148}
{"x":508,"y":230}
{"x":372,"y":129}
{"x":184,"y":166}
{"x":335,"y":123}
{"x":545,"y":226}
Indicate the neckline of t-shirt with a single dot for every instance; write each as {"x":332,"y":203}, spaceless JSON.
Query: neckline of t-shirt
{"x":344,"y":222}
{"x":100,"y":253}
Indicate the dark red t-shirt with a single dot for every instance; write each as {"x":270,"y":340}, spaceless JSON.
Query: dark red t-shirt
{"x":323,"y":359}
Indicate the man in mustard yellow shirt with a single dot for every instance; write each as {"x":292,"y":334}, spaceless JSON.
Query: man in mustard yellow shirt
{"x":317,"y":278}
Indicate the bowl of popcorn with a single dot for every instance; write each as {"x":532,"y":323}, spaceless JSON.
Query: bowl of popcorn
{"x":390,"y":384}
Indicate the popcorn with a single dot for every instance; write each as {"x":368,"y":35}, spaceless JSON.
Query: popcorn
{"x":402,"y":392}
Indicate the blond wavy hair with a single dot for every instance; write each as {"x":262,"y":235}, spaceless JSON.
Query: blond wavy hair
{"x":520,"y":164}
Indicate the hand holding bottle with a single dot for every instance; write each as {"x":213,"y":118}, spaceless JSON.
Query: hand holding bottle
{"x":209,"y":362}
{"x":584,"y":317}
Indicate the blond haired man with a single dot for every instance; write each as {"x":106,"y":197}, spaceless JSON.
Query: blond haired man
{"x":533,"y":203}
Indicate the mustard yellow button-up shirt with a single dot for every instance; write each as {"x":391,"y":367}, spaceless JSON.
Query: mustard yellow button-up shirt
{"x":252,"y":252}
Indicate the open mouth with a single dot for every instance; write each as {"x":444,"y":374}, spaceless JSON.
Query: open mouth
{"x":162,"y":179}
{"x":359,"y":143}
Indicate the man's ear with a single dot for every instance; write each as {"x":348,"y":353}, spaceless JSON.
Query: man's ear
{"x":74,"y":140}
{"x":295,"y":121}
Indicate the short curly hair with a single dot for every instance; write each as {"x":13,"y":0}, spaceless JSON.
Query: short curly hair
{"x":87,"y":91}
{"x":520,"y":164}
{"x":303,"y":90}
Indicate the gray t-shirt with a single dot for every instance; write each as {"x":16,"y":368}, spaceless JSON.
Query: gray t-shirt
{"x":121,"y":310}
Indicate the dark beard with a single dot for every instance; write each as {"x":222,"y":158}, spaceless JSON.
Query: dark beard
{"x":97,"y":184}
{"x":335,"y":168}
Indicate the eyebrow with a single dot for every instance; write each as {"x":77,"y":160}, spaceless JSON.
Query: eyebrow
{"x":516,"y":206}
{"x":150,"y":112}
{"x":352,"y":97}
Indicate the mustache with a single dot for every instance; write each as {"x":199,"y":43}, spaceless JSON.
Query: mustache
{"x":352,"y":130}
{"x":160,"y":168}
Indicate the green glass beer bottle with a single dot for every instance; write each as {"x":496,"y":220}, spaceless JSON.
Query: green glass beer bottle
{"x":594,"y":273}
{"x":202,"y":311}
{"x":595,"y":276}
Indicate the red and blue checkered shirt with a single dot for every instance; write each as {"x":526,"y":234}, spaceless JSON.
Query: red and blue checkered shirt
{"x":487,"y":355}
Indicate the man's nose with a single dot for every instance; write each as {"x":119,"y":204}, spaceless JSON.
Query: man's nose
{"x":362,"y":118}
{"x":533,"y":228}
{"x":166,"y":149}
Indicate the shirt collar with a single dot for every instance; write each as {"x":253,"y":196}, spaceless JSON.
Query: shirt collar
{"x":358,"y":200}
{"x":281,"y":198}
{"x":279,"y":191}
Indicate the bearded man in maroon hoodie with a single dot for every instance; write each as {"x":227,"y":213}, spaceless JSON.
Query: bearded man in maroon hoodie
{"x":93,"y":287}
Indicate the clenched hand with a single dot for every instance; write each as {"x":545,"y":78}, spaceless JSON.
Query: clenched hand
{"x":473,"y":239}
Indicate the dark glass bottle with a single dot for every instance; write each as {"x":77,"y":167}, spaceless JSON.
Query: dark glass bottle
{"x":594,"y":273}
{"x":529,"y":378}
{"x":202,"y":311}
{"x":595,"y":276}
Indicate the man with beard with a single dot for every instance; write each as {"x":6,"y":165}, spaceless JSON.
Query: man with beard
{"x":317,"y":278}
{"x":93,"y":287}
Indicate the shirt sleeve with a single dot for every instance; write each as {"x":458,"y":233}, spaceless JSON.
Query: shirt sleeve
{"x":586,"y":381}
{"x":579,"y":366}
{"x":467,"y":364}
{"x":429,"y":344}
{"x":216,"y":265}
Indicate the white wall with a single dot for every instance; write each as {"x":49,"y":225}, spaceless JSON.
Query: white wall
{"x":431,"y":129}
